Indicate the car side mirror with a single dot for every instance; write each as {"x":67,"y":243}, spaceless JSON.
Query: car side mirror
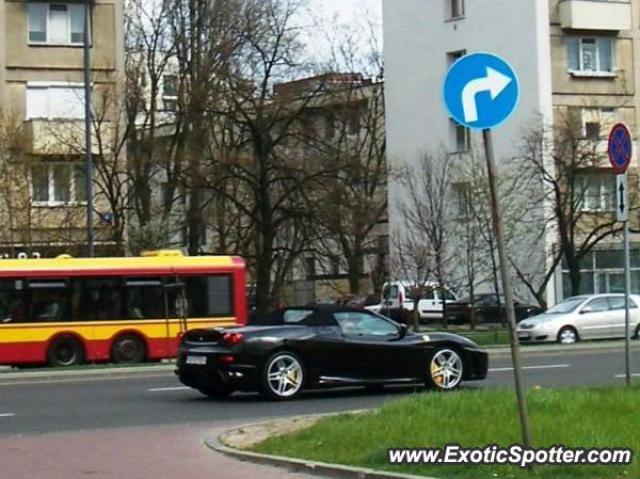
{"x":402,"y":330}
{"x":586,"y":309}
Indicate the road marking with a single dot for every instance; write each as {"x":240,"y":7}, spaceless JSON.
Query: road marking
{"x":7,"y":414}
{"x":548,"y":366}
{"x":621,"y":376}
{"x":176,"y":388}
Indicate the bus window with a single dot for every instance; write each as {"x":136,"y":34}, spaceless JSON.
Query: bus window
{"x":209,"y":296}
{"x":12,"y":301}
{"x":145,"y":298}
{"x":98,"y":299}
{"x":175,"y":291}
{"x":49,"y":300}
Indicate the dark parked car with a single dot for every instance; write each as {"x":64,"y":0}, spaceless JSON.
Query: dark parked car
{"x":323,"y":346}
{"x":487,"y":309}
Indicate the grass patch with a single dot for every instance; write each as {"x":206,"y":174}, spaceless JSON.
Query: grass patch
{"x":486,"y":338}
{"x":585,"y":417}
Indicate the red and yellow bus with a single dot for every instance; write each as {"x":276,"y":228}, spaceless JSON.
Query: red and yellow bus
{"x":66,"y":311}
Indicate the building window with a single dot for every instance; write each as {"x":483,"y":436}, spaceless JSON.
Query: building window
{"x":56,"y":23}
{"x":310,"y":266}
{"x":460,"y":137}
{"x":335,"y":265}
{"x":590,"y":54}
{"x":602,"y":271}
{"x":597,"y":122}
{"x":329,"y":126}
{"x":51,"y":102}
{"x":58,"y":183}
{"x":455,"y":8}
{"x":595,"y":192}
{"x":170,"y":92}
{"x":461,"y":199}
{"x":452,"y":57}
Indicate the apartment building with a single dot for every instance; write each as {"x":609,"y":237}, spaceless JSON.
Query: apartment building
{"x":42,"y":102}
{"x":575,"y":59}
{"x":343,"y":130}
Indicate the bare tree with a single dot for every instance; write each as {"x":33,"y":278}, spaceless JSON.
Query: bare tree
{"x":571,"y":168}
{"x":353,"y":206}
{"x":426,"y":207}
{"x":265,"y":168}
{"x":151,"y":71}
{"x":414,"y":263}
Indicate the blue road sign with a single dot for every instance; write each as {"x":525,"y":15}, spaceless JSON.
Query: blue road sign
{"x":481,"y":90}
{"x":620,"y":148}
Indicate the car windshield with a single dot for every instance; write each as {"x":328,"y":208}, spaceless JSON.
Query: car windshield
{"x":390,"y":291}
{"x":567,"y":305}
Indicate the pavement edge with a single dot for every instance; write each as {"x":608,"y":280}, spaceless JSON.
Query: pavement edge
{"x":300,"y":465}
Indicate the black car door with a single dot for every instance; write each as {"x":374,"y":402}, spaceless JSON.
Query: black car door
{"x":373,"y":348}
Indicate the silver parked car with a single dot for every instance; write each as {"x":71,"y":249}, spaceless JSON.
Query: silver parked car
{"x":592,"y":316}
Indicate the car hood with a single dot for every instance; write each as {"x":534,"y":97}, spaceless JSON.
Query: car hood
{"x":449,"y":337}
{"x":542,"y":318}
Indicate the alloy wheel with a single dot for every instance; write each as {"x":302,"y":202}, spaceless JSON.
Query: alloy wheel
{"x":285,"y":375}
{"x":446,"y":369}
{"x":568,"y":336}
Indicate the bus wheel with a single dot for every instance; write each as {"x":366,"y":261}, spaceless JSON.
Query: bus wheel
{"x":128,"y":349}
{"x":65,"y":351}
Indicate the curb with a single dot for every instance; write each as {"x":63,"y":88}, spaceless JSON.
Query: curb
{"x":561,"y":349}
{"x":300,"y":465}
{"x":51,"y":373}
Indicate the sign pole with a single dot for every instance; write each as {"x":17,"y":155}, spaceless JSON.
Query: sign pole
{"x":506,"y":286}
{"x":620,"y":150}
{"x":469,"y":83}
{"x":627,"y":288}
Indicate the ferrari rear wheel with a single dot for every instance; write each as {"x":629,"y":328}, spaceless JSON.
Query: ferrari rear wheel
{"x":282,"y":376}
{"x":445,"y":369}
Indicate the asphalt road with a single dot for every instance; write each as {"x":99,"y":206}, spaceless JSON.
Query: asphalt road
{"x":43,"y":405}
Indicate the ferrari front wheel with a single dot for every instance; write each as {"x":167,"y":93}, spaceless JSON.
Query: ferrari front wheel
{"x":445,"y":369}
{"x":283,"y":376}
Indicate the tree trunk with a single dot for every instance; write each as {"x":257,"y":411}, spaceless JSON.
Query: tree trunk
{"x":574,"y":277}
{"x":415,"y":314}
{"x":472,"y":312}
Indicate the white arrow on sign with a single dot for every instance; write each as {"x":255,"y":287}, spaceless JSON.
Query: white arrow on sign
{"x":495,"y":83}
{"x":623,"y":199}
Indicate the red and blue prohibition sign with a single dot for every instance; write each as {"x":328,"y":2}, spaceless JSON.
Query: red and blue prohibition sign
{"x":620,"y":148}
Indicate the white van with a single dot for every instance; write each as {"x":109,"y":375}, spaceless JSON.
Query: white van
{"x":396,"y":295}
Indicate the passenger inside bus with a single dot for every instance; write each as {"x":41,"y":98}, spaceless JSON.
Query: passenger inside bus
{"x":48,"y":307}
{"x":16,"y":310}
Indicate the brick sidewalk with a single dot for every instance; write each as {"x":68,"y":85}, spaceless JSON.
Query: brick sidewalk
{"x":164,"y":452}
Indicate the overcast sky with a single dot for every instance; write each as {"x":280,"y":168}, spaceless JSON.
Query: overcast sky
{"x":354,"y":13}
{"x":347,"y":8}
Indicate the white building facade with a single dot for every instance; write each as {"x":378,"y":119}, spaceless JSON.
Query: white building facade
{"x":577,"y":55}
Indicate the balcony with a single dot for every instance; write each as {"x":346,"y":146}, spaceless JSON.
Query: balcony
{"x":595,"y":14}
{"x":60,"y":137}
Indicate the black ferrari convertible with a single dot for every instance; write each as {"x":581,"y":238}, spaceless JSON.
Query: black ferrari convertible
{"x":322,"y":346}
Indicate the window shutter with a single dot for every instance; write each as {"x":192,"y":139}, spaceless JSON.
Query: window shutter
{"x":58,"y":23}
{"x":573,"y":53}
{"x":67,"y":102}
{"x":37,"y":103}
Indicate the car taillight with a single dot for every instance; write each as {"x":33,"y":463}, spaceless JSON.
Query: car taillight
{"x":232,"y":338}
{"x":180,"y":336}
